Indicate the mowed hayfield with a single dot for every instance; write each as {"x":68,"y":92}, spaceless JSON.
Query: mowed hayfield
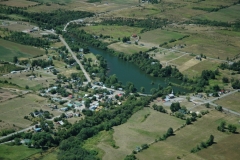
{"x":16,"y":152}
{"x":14,"y":110}
{"x":113,"y":31}
{"x":195,"y":67}
{"x":10,"y":49}
{"x":18,"y":3}
{"x":127,"y":48}
{"x":192,"y":135}
{"x":230,"y":14}
{"x":143,"y":127}
{"x":230,"y":102}
{"x":159,"y":36}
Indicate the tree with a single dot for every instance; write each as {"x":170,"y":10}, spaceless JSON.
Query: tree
{"x":188,"y":98}
{"x":169,"y":132}
{"x":221,"y":127}
{"x":225,"y":80}
{"x":207,"y":105}
{"x":17,"y":141}
{"x":188,"y":121}
{"x":15,"y":59}
{"x":210,"y":141}
{"x":142,"y":89}
{"x":130,"y":157}
{"x":232,"y":128}
{"x":26,"y":87}
{"x":175,"y":107}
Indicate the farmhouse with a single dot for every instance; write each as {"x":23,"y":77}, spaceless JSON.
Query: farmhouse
{"x":38,"y":129}
{"x":134,"y":35}
{"x":171,"y":95}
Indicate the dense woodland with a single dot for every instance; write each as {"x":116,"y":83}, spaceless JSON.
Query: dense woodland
{"x":47,"y":20}
{"x":147,"y":24}
{"x":26,"y":39}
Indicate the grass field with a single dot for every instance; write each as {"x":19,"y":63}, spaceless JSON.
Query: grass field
{"x":192,"y":135}
{"x":16,"y":152}
{"x":224,"y":15}
{"x":137,"y":131}
{"x":18,"y":3}
{"x":159,"y":36}
{"x":22,"y":79}
{"x":10,"y":49}
{"x":231,"y":102}
{"x":14,"y":110}
{"x":113,"y":31}
{"x":197,"y":69}
{"x":127,"y":48}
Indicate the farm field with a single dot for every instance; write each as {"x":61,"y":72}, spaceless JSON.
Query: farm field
{"x":230,"y":102}
{"x":113,"y":31}
{"x":159,"y":36}
{"x":16,"y":152}
{"x":145,"y":128}
{"x":10,"y":49}
{"x":190,"y":136}
{"x":127,"y":48}
{"x":14,"y":110}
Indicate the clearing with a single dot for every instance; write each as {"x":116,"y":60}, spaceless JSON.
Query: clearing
{"x":127,"y":48}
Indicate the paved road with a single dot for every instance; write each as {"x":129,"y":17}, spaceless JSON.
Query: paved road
{"x":217,"y":98}
{"x":77,"y":60}
{"x":23,"y":130}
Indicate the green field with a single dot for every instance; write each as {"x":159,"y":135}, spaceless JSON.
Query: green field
{"x":224,"y":15}
{"x":230,"y":102}
{"x":159,"y":36}
{"x":10,"y":49}
{"x":192,"y":135}
{"x":16,"y":152}
{"x":14,"y":110}
{"x":127,"y":48}
{"x":113,"y":31}
{"x":137,"y":131}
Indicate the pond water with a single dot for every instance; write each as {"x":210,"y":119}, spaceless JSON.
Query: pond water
{"x":128,"y":72}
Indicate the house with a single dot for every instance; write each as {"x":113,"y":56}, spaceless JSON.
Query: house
{"x":171,"y":95}
{"x":26,"y":141}
{"x":13,"y":72}
{"x":64,"y":109}
{"x":38,"y":129}
{"x":134,"y":36}
{"x":60,"y":122}
{"x":70,"y":105}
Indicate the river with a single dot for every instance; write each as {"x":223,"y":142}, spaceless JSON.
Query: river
{"x":128,"y":72}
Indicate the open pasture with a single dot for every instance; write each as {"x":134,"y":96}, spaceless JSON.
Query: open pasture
{"x":230,"y":14}
{"x":230,"y":102}
{"x":10,"y":49}
{"x":18,"y":3}
{"x":159,"y":36}
{"x":192,"y":135}
{"x":14,"y":110}
{"x":22,"y":79}
{"x":127,"y":48}
{"x":197,"y":68}
{"x":143,"y":127}
{"x":6,"y":94}
{"x":16,"y":152}
{"x":113,"y":31}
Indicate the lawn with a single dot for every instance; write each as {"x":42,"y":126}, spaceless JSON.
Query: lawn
{"x":230,"y":102}
{"x":192,"y":135}
{"x":159,"y":36}
{"x":113,"y":31}
{"x":138,"y":130}
{"x":16,"y":152}
{"x":10,"y":49}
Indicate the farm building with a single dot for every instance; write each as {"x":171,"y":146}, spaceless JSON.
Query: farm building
{"x":134,"y":35}
{"x":38,"y":129}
